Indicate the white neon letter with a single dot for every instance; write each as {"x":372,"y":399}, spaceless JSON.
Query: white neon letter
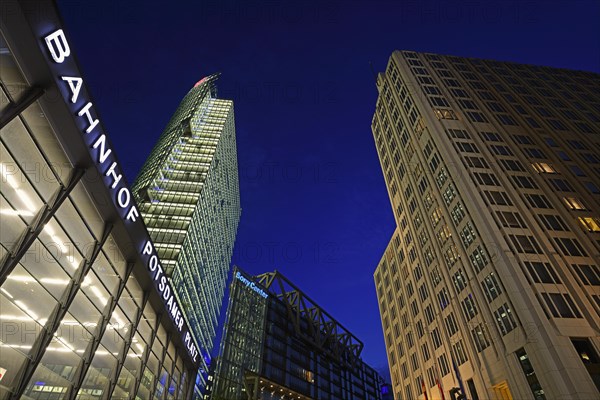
{"x":58,"y":46}
{"x":123,"y":197}
{"x":111,"y":171}
{"x":86,"y":110}
{"x":133,"y":214}
{"x":101,"y":141}
{"x":75,"y":85}
{"x":147,"y":248}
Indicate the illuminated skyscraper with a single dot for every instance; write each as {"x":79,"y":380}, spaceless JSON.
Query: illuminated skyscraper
{"x":491,"y":282}
{"x":188,"y":194}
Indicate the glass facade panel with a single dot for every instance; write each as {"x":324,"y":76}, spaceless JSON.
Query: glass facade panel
{"x":40,"y":301}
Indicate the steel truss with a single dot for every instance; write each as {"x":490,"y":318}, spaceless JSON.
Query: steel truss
{"x":324,"y":331}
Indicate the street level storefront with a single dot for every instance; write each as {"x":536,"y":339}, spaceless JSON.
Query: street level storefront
{"x":86,"y":310}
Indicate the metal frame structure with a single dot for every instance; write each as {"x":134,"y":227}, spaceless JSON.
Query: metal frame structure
{"x":327,"y":334}
{"x":59,"y":312}
{"x":44,"y":215}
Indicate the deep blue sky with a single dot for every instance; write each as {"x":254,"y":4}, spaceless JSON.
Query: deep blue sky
{"x":314,"y":203}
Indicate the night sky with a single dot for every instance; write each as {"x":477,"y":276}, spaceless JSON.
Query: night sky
{"x":314,"y":202}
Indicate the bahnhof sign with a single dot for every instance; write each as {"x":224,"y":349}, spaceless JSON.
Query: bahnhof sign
{"x":84,"y":311}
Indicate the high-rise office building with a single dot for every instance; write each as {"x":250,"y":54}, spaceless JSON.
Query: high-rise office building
{"x":188,"y":194}
{"x":279,"y":345}
{"x":490,"y":285}
{"x":83,"y":313}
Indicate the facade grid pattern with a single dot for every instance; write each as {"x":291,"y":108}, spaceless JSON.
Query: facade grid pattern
{"x":492,"y":172}
{"x":188,"y":193}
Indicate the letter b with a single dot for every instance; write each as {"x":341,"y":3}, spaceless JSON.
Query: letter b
{"x":58,"y":46}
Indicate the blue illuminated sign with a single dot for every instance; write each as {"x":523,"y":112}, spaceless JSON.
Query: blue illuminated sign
{"x":251,"y":285}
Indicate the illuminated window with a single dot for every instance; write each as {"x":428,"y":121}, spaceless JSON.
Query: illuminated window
{"x":543,"y":168}
{"x":591,"y":224}
{"x":574,"y":203}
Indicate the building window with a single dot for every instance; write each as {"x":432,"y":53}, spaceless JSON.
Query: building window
{"x":458,"y":134}
{"x":451,"y":256}
{"x":574,"y":203}
{"x":449,"y":194}
{"x":443,"y":298}
{"x":510,"y":219}
{"x":467,"y":235}
{"x":457,"y":213}
{"x":553,"y":222}
{"x":441,"y":178}
{"x":443,"y":363}
{"x":460,"y":281}
{"x":468,"y":307}
{"x":491,"y":137}
{"x":459,"y":353}
{"x":591,"y":186}
{"x":444,"y":114}
{"x":525,"y":244}
{"x":590,"y":224}
{"x":533,"y":152}
{"x":522,"y":139}
{"x":563,"y":156}
{"x":451,"y":326}
{"x":475,"y":116}
{"x":505,"y":319}
{"x":436,"y":339}
{"x":425,"y":351}
{"x":539,"y":272}
{"x":561,"y":185}
{"x":491,"y":287}
{"x":543,"y":168}
{"x":537,"y":201}
{"x":587,"y":274}
{"x":576,"y":170}
{"x":478,"y":259}
{"x":487,"y":179}
{"x":476,"y":162}
{"x":570,"y":247}
{"x":511,"y":165}
{"x":480,"y":338}
{"x":561,"y":305}
{"x":414,"y":361}
{"x":530,"y":375}
{"x":523,"y":182}
{"x":497,"y":198}
{"x":500,"y":150}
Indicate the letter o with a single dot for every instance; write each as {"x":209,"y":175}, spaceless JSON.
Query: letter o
{"x":123,"y":202}
{"x":153,"y":263}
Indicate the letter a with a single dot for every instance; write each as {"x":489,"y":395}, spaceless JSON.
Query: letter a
{"x":75,"y":88}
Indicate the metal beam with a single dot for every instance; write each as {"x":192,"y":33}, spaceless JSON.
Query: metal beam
{"x":93,"y":345}
{"x":13,"y":110}
{"x":116,"y":372}
{"x":171,"y":372}
{"x":145,"y":356}
{"x":60,"y":310}
{"x":161,"y":363}
{"x":32,"y":233}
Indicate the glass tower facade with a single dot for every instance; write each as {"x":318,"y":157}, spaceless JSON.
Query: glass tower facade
{"x":490,"y":284}
{"x":80,"y":316}
{"x":278,"y":344}
{"x":188,"y":194}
